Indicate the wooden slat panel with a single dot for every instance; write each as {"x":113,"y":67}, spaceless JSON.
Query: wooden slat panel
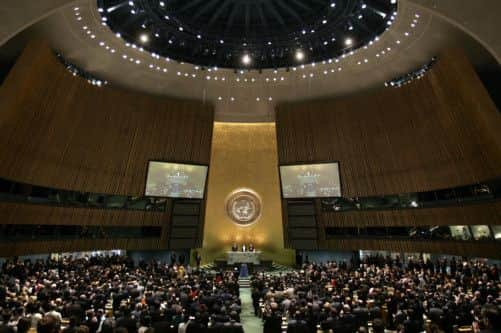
{"x":438,"y":132}
{"x":18,"y":213}
{"x":8,"y":249}
{"x":480,"y":214}
{"x":58,"y":131}
{"x":468,"y":249}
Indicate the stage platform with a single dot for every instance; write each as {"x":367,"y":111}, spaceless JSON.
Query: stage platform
{"x":264,"y":265}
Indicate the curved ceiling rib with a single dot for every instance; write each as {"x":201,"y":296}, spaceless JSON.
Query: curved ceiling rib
{"x":17,"y":15}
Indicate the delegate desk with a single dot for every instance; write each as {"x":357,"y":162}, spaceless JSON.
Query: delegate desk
{"x":236,"y":257}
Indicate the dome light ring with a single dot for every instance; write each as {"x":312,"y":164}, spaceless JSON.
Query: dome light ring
{"x":184,"y":42}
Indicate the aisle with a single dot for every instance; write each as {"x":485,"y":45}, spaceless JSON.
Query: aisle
{"x":251,"y":323}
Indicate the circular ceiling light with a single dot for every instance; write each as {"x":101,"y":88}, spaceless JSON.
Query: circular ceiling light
{"x":144,"y":38}
{"x":299,"y":55}
{"x":348,"y":41}
{"x":246,"y":59}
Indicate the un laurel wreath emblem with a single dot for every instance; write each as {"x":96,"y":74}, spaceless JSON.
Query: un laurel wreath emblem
{"x":243,"y":207}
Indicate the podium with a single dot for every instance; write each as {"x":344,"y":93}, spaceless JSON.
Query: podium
{"x":238,"y":257}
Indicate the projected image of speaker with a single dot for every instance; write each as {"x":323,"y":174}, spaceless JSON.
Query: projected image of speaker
{"x":310,"y":180}
{"x":175,"y":180}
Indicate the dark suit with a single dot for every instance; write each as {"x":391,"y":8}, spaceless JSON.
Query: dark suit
{"x":127,"y":322}
{"x":297,"y":326}
{"x":228,"y":327}
{"x":164,"y":327}
{"x":196,"y":327}
{"x":272,"y":324}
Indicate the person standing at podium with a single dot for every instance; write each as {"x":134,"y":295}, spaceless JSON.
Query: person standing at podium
{"x":244,"y":248}
{"x":234,"y":247}
{"x":251,"y":247}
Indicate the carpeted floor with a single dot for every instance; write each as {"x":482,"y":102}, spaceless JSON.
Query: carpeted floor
{"x":251,"y":323}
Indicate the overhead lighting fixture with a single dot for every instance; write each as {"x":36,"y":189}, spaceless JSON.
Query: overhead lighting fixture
{"x":246,"y":59}
{"x":299,"y":55}
{"x":144,"y":38}
{"x":308,"y":44}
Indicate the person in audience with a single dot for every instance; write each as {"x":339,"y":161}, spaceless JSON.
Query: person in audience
{"x":23,"y":325}
{"x":383,"y":292}
{"x":112,"y":295}
{"x":491,"y":316}
{"x":48,"y":324}
{"x":173,"y":258}
{"x":198,"y":259}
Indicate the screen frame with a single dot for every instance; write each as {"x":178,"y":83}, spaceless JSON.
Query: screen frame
{"x":309,"y":163}
{"x":176,"y":162}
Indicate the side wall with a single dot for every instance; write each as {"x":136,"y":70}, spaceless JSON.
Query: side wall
{"x":439,"y":132}
{"x":60,"y":132}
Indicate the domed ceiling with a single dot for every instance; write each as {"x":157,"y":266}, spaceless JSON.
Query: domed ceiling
{"x":83,"y":32}
{"x":248,"y":33}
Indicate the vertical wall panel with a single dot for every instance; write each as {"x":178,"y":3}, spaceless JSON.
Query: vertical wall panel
{"x":439,"y":132}
{"x":58,"y":131}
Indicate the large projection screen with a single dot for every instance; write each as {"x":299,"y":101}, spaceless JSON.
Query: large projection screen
{"x":310,"y":180}
{"x":175,"y":180}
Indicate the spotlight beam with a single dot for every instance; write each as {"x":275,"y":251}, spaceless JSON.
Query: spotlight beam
{"x":289,"y":10}
{"x":205,"y":8}
{"x":131,"y":20}
{"x":261,"y":15}
{"x":247,"y":18}
{"x":120,"y":5}
{"x":361,"y":26}
{"x":218,"y":12}
{"x":189,"y":5}
{"x":301,"y":4}
{"x":279,"y":17}
{"x":232,"y":16}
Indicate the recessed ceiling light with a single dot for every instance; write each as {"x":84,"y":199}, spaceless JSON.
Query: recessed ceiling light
{"x":299,"y":55}
{"x":246,"y":59}
{"x":144,"y":38}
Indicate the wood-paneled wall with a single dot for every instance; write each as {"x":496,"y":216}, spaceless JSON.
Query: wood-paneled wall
{"x":438,"y":132}
{"x":467,"y":249}
{"x":58,"y":131}
{"x":480,"y":214}
{"x":20,"y":213}
{"x":8,"y":249}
